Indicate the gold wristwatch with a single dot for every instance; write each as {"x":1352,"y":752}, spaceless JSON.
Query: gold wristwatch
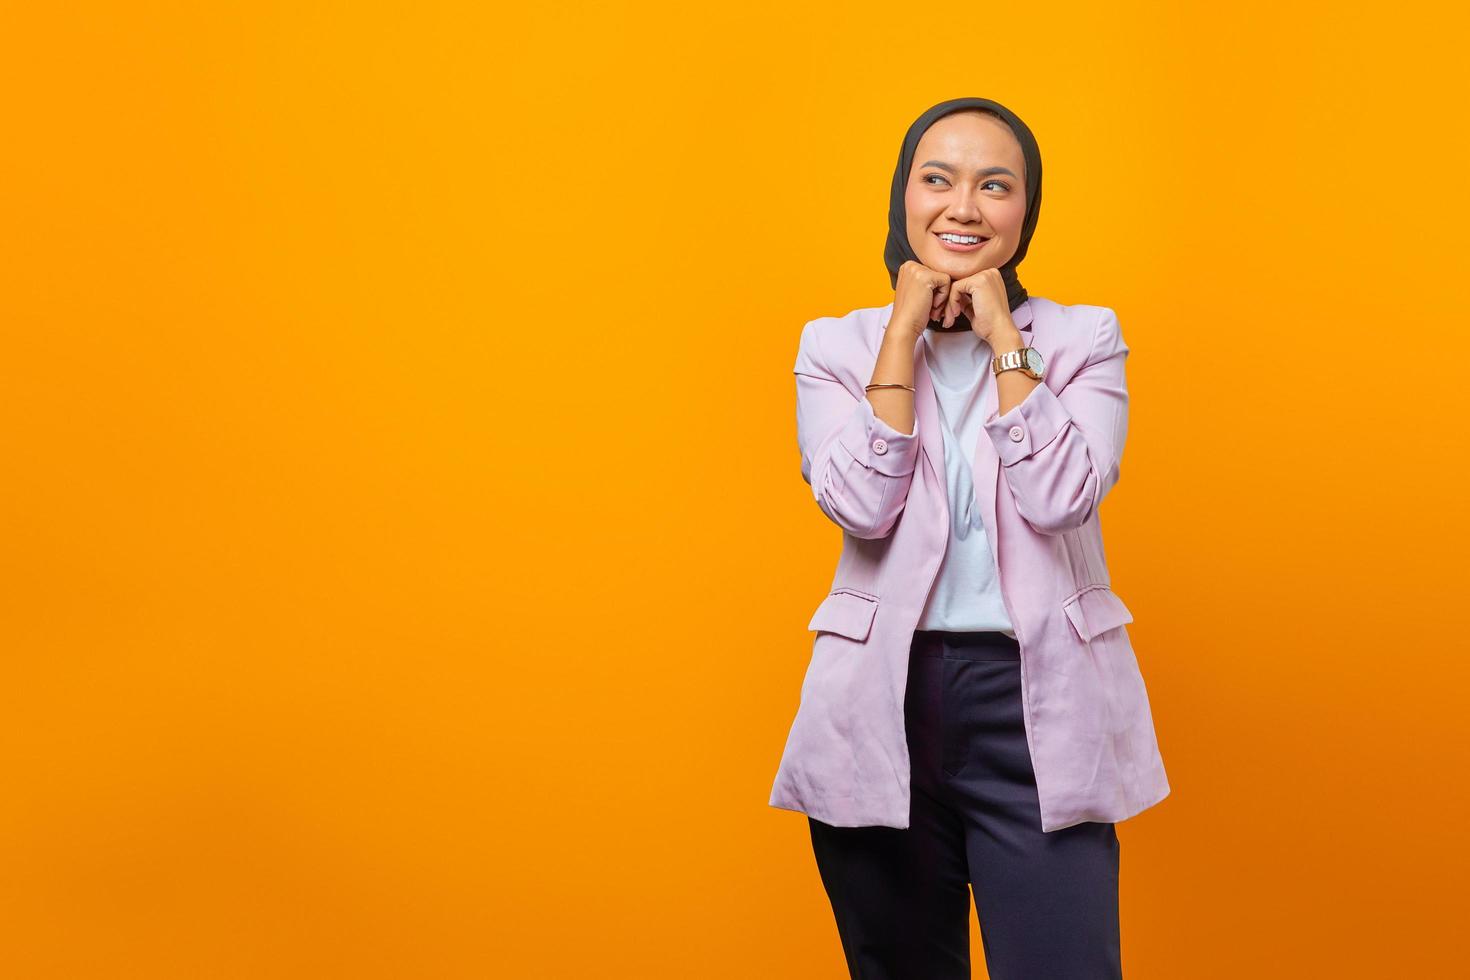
{"x":1026,"y":359}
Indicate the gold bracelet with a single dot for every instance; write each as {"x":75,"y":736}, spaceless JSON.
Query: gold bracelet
{"x":871,"y":387}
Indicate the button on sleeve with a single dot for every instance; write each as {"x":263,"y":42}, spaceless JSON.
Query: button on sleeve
{"x":885,"y":449}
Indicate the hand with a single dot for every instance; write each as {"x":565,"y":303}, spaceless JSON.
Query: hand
{"x":919,"y":297}
{"x":982,"y":298}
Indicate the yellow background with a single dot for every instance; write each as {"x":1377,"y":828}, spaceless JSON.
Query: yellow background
{"x":406,"y":557}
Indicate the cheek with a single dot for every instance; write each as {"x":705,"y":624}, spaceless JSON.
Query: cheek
{"x":1011,"y":217}
{"x":917,"y":221}
{"x":913,"y":206}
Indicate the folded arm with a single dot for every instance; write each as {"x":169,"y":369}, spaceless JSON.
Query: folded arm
{"x":1061,"y":451}
{"x":859,"y":467}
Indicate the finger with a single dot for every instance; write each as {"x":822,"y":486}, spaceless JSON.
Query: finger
{"x":941,"y":296}
{"x":954,"y":306}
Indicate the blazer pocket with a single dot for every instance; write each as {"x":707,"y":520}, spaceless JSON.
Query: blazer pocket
{"x":1095,"y":609}
{"x":846,"y":612}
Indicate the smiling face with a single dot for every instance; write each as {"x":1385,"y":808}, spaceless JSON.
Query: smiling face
{"x":968,"y":178}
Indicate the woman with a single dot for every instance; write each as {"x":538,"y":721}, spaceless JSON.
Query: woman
{"x":973,"y":716}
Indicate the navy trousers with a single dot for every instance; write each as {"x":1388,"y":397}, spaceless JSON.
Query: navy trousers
{"x":1047,"y":902}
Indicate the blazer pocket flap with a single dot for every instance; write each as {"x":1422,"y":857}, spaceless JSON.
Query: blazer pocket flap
{"x":1095,"y":609}
{"x":846,"y":612}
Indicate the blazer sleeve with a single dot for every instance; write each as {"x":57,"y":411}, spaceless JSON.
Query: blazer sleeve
{"x":858,"y":466}
{"x":1061,"y":451}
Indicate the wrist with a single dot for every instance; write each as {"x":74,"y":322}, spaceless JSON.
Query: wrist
{"x":904,"y":336}
{"x":1006,"y":340}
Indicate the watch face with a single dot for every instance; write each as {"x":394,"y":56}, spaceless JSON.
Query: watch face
{"x":1033,"y":359}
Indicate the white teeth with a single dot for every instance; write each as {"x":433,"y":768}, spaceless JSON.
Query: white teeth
{"x":961,"y":239}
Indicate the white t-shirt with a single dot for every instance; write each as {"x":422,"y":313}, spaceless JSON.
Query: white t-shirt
{"x":966,"y":593}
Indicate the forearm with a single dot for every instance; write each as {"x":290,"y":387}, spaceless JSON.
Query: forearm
{"x":895,"y":365}
{"x":1011,"y":387}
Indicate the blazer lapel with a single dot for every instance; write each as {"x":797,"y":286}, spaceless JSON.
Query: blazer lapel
{"x":986,"y":461}
{"x":926,"y":411}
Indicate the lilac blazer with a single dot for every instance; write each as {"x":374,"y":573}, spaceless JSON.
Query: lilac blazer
{"x":1041,"y":471}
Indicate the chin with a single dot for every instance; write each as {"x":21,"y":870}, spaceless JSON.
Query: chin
{"x":956,"y":266}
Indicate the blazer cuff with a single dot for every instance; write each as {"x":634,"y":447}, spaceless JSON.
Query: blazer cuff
{"x":1029,"y":426}
{"x":879,"y":446}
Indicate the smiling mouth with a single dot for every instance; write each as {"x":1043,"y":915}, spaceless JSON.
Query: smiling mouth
{"x":962,"y":243}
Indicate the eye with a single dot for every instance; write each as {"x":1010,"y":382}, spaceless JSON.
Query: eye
{"x":998,"y":183}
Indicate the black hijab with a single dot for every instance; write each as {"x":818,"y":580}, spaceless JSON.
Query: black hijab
{"x":897,"y":251}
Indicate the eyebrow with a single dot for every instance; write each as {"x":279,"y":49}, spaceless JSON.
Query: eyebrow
{"x":983,"y":172}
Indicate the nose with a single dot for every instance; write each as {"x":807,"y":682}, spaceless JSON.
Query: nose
{"x":964,"y":209}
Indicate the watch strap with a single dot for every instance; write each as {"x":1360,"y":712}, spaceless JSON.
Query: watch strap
{"x":1010,"y":360}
